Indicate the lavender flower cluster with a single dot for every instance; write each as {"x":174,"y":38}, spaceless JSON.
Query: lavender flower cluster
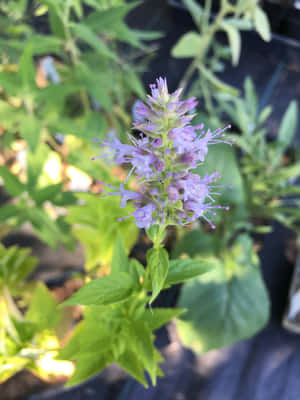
{"x":168,"y":149}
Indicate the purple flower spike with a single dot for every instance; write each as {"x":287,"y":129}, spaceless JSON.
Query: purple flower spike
{"x":162,"y":157}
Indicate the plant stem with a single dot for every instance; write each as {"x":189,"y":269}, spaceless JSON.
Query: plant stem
{"x":11,"y":305}
{"x":159,"y":237}
{"x":206,"y":42}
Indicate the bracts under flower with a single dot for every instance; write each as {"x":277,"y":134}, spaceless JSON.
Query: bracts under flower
{"x":168,"y":149}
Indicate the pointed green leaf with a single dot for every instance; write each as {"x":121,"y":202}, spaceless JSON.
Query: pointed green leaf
{"x":140,"y":341}
{"x":119,"y":261}
{"x":183,"y":269}
{"x":89,"y":365}
{"x":251,"y":98}
{"x":43,"y":311}
{"x":55,"y":19}
{"x":30,"y":130}
{"x":11,"y":182}
{"x":26,"y":69}
{"x":158,"y":317}
{"x":35,"y":163}
{"x":87,"y":35}
{"x":48,"y":193}
{"x":189,"y":45}
{"x":15,"y":265}
{"x":262,"y":24}
{"x":45,"y":227}
{"x":136,"y":270}
{"x":103,"y":291}
{"x":196,"y":11}
{"x":130,"y":362}
{"x":287,"y":127}
{"x":234,"y":38}
{"x":158,"y":264}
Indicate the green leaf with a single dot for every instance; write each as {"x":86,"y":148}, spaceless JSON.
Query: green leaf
{"x":96,"y":85}
{"x":262,"y":24}
{"x":30,"y":130}
{"x":10,"y":82}
{"x":108,"y":20}
{"x":214,"y":81}
{"x":264,"y":115}
{"x":119,"y":261}
{"x":35,"y":164}
{"x":251,"y":98}
{"x":45,"y":227}
{"x":26,"y":69}
{"x":11,"y":182}
{"x":96,"y":225}
{"x":44,"y":44}
{"x":140,"y":341}
{"x":87,"y":35}
{"x":48,"y":193}
{"x":103,"y":291}
{"x":8,"y":211}
{"x":284,"y":174}
{"x":287,"y":127}
{"x":234,"y":41}
{"x":226,"y":305}
{"x":189,"y":45}
{"x":84,"y":341}
{"x":77,"y":7}
{"x":158,"y":264}
{"x":55,"y":18}
{"x":196,"y":11}
{"x":89,"y":365}
{"x":130,"y":362}
{"x":43,"y":311}
{"x":158,"y":317}
{"x":15,"y":265}
{"x":241,"y":24}
{"x":183,"y":269}
{"x":9,"y":366}
{"x":136,"y":270}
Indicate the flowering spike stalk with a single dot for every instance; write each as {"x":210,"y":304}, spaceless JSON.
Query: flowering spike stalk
{"x":168,"y":148}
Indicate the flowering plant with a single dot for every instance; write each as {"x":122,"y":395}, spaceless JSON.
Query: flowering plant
{"x":168,"y":193}
{"x":168,"y":149}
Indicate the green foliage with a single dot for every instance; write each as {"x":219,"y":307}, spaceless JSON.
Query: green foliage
{"x":233,"y":299}
{"x":187,"y":46}
{"x":262,"y":24}
{"x":43,"y":310}
{"x":26,"y":340}
{"x":15,"y":265}
{"x":184,"y":269}
{"x":287,"y":129}
{"x":157,"y":265}
{"x":103,"y":291}
{"x":96,"y":225}
{"x":118,"y":326}
{"x":92,"y":69}
{"x":120,"y":337}
{"x":266,"y":180}
{"x":206,"y":50}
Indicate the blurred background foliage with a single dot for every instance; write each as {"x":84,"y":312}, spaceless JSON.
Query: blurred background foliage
{"x":70,"y":71}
